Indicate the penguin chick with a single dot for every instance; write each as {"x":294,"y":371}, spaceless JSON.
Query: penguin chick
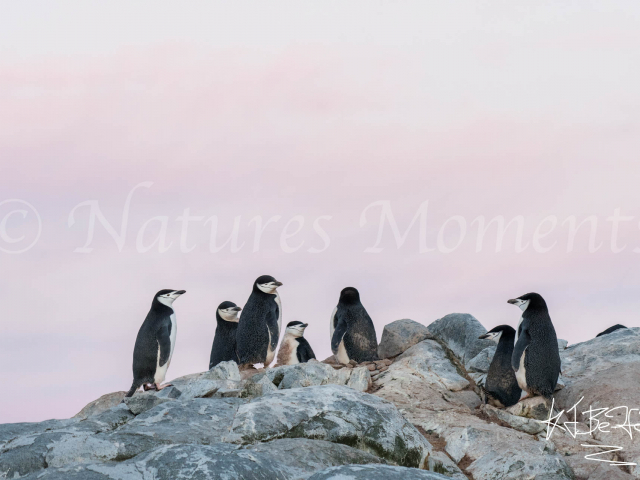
{"x":259,"y":327}
{"x":501,"y":387}
{"x":224,"y":340}
{"x":155,"y":343}
{"x":535,"y":358}
{"x":610,"y":330}
{"x":294,"y":347}
{"x":353,"y":336}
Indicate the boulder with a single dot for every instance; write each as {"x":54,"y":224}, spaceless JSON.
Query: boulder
{"x":375,"y":472}
{"x":146,"y":401}
{"x":482,"y":361}
{"x":527,"y":425}
{"x":334,"y":413}
{"x":224,"y":371}
{"x":398,"y":336}
{"x":100,"y":405}
{"x":460,"y":332}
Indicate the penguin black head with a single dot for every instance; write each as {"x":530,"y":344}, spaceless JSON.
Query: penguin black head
{"x":168,"y":296}
{"x":533,"y":301}
{"x":499,"y":332}
{"x":296,"y":328}
{"x":228,"y":311}
{"x":266,"y":284}
{"x":349,"y":295}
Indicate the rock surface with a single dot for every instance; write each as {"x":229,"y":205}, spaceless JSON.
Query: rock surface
{"x":315,"y":421}
{"x":400,"y":335}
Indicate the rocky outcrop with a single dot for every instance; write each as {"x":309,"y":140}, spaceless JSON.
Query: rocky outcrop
{"x":422,"y":419}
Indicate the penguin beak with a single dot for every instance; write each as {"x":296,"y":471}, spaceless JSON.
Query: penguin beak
{"x":513,"y":301}
{"x":179,"y":292}
{"x":305,"y":325}
{"x":277,"y":284}
{"x":236,"y":309}
{"x":482,"y":337}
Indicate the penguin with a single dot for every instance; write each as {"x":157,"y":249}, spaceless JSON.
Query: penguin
{"x":610,"y":329}
{"x":224,"y":341}
{"x":353,"y":336}
{"x":535,"y":358}
{"x":155,"y":343}
{"x":259,"y":326}
{"x":501,"y":387}
{"x":294,"y":347}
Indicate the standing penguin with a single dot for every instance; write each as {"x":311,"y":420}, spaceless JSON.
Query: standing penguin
{"x":353,"y":336}
{"x":259,"y":326}
{"x":155,"y":343}
{"x":294,"y":347}
{"x":224,"y":341}
{"x":535,"y":359}
{"x":501,"y":387}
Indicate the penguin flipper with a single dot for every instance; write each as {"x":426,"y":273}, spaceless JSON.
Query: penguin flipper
{"x":304,"y":352}
{"x":274,"y":331}
{"x":164,"y":342}
{"x":523,"y":342}
{"x":338,"y":334}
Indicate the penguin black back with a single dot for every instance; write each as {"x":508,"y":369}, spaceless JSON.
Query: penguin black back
{"x":538,"y":342}
{"x":259,"y":330}
{"x":501,"y":387}
{"x":353,"y":333}
{"x":610,"y":330}
{"x":224,"y":342}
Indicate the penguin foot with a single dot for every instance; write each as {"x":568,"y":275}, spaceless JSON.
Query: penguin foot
{"x":149,"y":386}
{"x":162,"y":387}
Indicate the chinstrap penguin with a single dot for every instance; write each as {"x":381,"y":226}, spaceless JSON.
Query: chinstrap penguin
{"x":224,"y":341}
{"x":294,"y":347}
{"x":260,"y":322}
{"x":353,"y":336}
{"x":501,"y":388}
{"x":535,"y":358}
{"x":155,"y":343}
{"x":610,"y":330}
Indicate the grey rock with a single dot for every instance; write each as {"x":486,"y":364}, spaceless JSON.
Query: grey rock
{"x":562,"y":344}
{"x":171,"y":462}
{"x":204,"y":384}
{"x":534,"y":407}
{"x":429,"y":360}
{"x":375,"y":472}
{"x":200,"y":420}
{"x":527,"y":425}
{"x":308,"y":456}
{"x":307,"y":375}
{"x":334,"y":413}
{"x":460,"y":332}
{"x":359,"y":379}
{"x":481,"y":362}
{"x":224,"y":371}
{"x":102,"y":404}
{"x":400,"y":335}
{"x":143,"y":402}
{"x":257,"y":386}
{"x":169,"y":392}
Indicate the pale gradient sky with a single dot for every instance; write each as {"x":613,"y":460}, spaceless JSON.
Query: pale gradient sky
{"x":312,"y":109}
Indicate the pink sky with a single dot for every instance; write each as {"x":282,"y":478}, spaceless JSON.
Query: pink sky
{"x":245,"y":110}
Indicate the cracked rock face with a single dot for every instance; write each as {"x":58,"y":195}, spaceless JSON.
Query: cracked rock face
{"x":375,"y":472}
{"x":334,"y":413}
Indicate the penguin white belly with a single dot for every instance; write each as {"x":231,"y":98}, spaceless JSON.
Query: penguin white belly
{"x":270,"y":353}
{"x":521,"y":374}
{"x":518,"y":329}
{"x":279,"y":312}
{"x":161,"y":371}
{"x":342,"y":354}
{"x":288,"y":353}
